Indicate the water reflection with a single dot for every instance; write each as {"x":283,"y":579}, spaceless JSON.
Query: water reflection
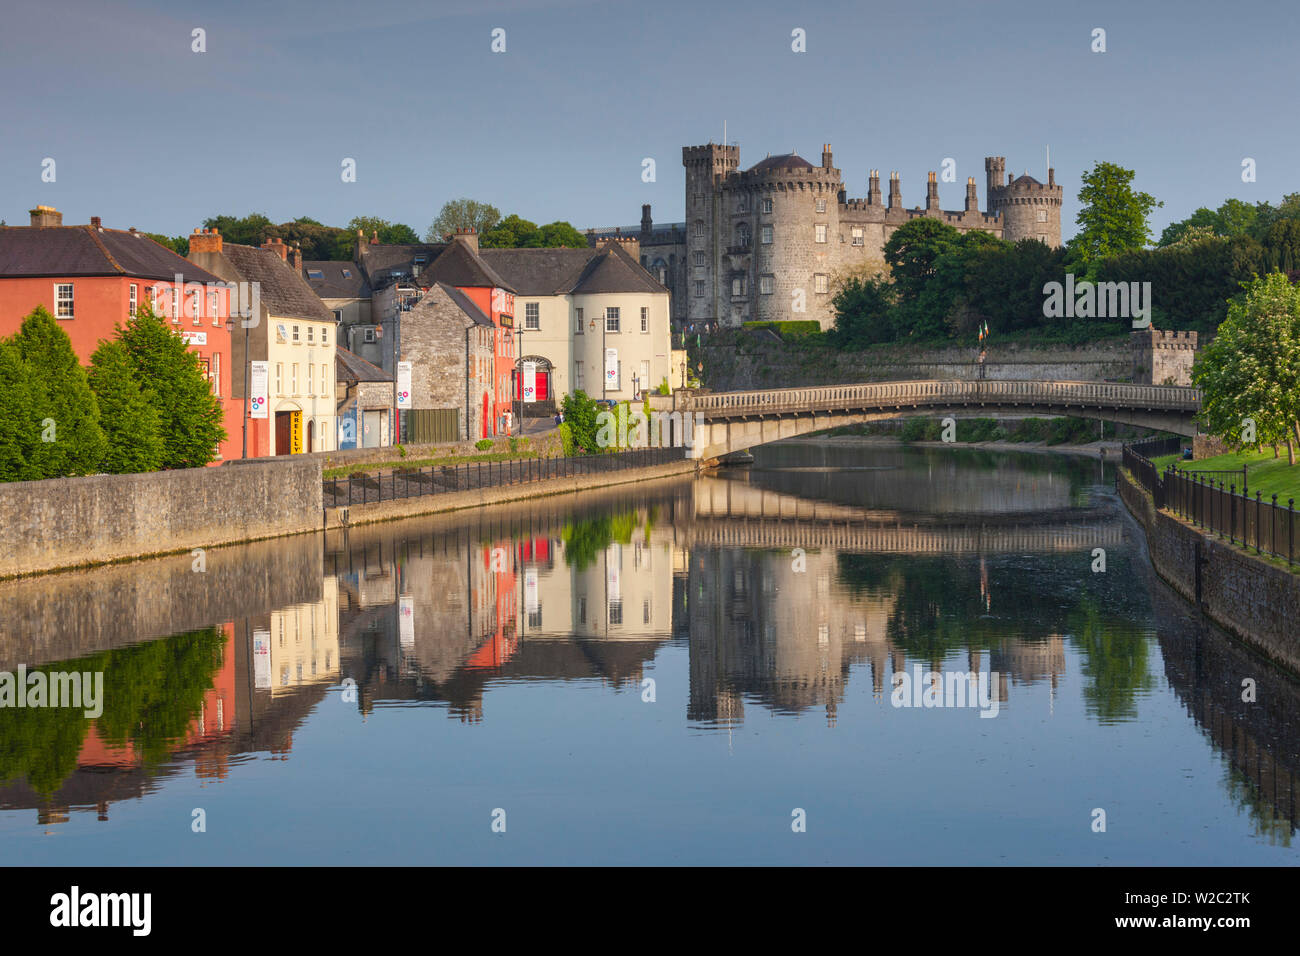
{"x":798,"y":588}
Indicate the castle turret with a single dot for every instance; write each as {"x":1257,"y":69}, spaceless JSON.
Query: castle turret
{"x":1028,"y":209}
{"x":932,"y":194}
{"x":895,"y":191}
{"x":995,"y":168}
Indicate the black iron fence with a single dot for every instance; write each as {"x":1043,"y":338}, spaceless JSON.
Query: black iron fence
{"x":1215,"y":505}
{"x":361,"y":489}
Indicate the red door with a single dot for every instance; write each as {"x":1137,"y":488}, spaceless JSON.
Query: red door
{"x":543,"y":385}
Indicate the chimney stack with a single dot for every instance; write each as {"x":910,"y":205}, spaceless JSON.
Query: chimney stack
{"x":96,"y":223}
{"x":895,"y":191}
{"x":206,"y":240}
{"x":469,"y":236}
{"x":295,"y":257}
{"x":873,"y":188}
{"x":374,"y":237}
{"x":932,"y":193}
{"x":44,"y":217}
{"x":826,"y":156}
{"x":972,"y":204}
{"x":277,"y":246}
{"x":647,"y":224}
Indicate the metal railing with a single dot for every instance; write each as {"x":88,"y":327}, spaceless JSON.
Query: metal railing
{"x":1266,"y":526}
{"x":363,"y":489}
{"x":1214,"y":506}
{"x":945,"y":392}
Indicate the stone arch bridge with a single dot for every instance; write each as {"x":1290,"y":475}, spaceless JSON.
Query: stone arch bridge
{"x":732,"y":421}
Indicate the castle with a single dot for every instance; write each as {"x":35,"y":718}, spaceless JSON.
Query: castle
{"x":768,"y":243}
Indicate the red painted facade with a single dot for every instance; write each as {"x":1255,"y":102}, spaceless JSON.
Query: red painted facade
{"x":101,"y":303}
{"x":499,"y":306}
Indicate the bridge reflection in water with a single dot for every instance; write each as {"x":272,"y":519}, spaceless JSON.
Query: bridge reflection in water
{"x":779,"y":600}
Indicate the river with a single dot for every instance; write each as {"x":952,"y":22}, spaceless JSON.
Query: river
{"x":845,"y":654}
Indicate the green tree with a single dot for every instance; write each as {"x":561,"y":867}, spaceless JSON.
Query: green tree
{"x":512,"y":232}
{"x":63,"y":406}
{"x":580,"y":411}
{"x":864,"y":312}
{"x":127,"y":413}
{"x":912,"y":253}
{"x":390,"y":233}
{"x":1113,"y":218}
{"x":560,"y":233}
{"x":177,"y":244}
{"x":250,"y":230}
{"x":463,"y":214}
{"x":1250,"y":373}
{"x":20,"y":428}
{"x":190,"y":415}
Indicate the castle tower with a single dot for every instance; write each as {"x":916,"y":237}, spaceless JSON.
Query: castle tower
{"x":1028,"y":209}
{"x":995,"y":174}
{"x":707,"y":168}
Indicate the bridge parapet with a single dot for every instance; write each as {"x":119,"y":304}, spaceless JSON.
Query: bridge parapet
{"x":946,"y":393}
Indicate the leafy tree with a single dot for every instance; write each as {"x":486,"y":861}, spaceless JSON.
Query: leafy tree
{"x":127,"y":413}
{"x":20,"y":428}
{"x":390,"y":233}
{"x":560,"y":233}
{"x":1114,"y":217}
{"x":190,"y":415}
{"x":250,"y":230}
{"x":912,"y":253}
{"x":580,"y":411}
{"x":177,"y":244}
{"x":512,"y":232}
{"x":1252,"y":368}
{"x":63,"y":406}
{"x":462,"y":214}
{"x":864,"y":312}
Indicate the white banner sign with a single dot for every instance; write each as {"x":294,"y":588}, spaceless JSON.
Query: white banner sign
{"x":530,"y":381}
{"x":257,"y":404}
{"x":406,"y":621}
{"x":611,"y":368}
{"x":262,"y":659}
{"x":403,"y":384}
{"x":194,"y":338}
{"x":531,"y":598}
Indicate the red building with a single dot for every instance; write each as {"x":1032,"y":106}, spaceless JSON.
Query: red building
{"x":91,"y":279}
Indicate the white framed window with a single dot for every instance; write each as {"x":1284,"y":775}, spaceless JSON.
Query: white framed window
{"x":134,"y":298}
{"x":611,"y":318}
{"x":296,"y":339}
{"x":767,"y":207}
{"x":645,"y":319}
{"x":737,"y":285}
{"x":767,"y":235}
{"x":311,"y":334}
{"x":324,"y":437}
{"x":293,"y":379}
{"x":63,"y":300}
{"x":196,"y":306}
{"x":214,"y":307}
{"x":311,"y":378}
{"x":532,"y":315}
{"x":821,"y":231}
{"x":176,"y":306}
{"x":765,"y":284}
{"x":369,"y":336}
{"x":577,"y":375}
{"x":325,"y":381}
{"x":216,"y":374}
{"x":821,"y":205}
{"x":279,"y":378}
{"x":325,"y":332}
{"x":857,"y":235}
{"x":821,"y":283}
{"x":577,"y":315}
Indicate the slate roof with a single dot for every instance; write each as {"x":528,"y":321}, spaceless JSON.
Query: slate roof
{"x":459,"y":265}
{"x":539,"y":271}
{"x":333,"y":284}
{"x":381,"y":262}
{"x":350,"y":367}
{"x":561,"y":271}
{"x":283,"y":290}
{"x":784,"y":161}
{"x":1026,"y":180}
{"x":87,"y":251}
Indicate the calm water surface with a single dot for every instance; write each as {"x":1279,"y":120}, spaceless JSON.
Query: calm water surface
{"x":661,"y":673}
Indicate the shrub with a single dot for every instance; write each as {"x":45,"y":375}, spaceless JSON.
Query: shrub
{"x":483,"y":444}
{"x":130,"y":421}
{"x":663,"y":386}
{"x":566,"y":438}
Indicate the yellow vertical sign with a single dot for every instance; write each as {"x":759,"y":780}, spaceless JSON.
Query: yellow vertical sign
{"x":295,"y":433}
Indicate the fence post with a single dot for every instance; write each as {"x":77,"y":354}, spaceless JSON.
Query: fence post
{"x":1257,"y":507}
{"x":1272,"y":527}
{"x":1232,"y":514}
{"x":1290,"y":532}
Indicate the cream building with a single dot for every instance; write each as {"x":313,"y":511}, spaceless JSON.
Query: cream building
{"x":590,"y":319}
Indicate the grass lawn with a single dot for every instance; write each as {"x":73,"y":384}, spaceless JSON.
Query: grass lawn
{"x":1264,"y":472}
{"x":345,"y":470}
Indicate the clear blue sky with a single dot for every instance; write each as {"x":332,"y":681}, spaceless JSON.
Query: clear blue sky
{"x":146,"y":133}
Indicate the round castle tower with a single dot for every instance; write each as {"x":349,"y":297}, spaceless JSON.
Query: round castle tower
{"x":1028,"y":209}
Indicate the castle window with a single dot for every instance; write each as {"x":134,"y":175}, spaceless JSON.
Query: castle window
{"x":1042,"y":215}
{"x":742,"y":235}
{"x":821,"y":205}
{"x":765,"y":284}
{"x":737,"y":285}
{"x":699,"y":228}
{"x":821,"y":231}
{"x":857,"y":235}
{"x":767,"y":235}
{"x":740,"y":203}
{"x":821,"y":283}
{"x":767,"y":206}
{"x":1042,"y":238}
{"x":699,"y":290}
{"x":699,"y":258}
